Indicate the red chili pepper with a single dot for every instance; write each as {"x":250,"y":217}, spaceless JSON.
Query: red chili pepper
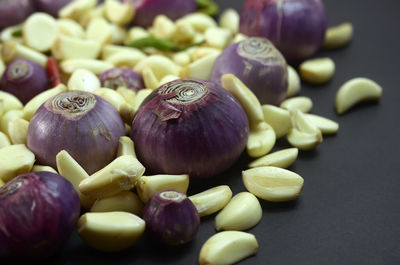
{"x":53,"y":72}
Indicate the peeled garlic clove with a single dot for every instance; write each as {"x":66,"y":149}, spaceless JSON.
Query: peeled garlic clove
{"x":278,"y":118}
{"x":303,"y":124}
{"x":228,"y":247}
{"x":201,"y":68}
{"x":110,"y":231}
{"x":303,"y":140}
{"x":273,"y":183}
{"x":241,"y":213}
{"x":211,"y":200}
{"x":325,"y":125}
{"x":83,"y":79}
{"x":40,"y":31}
{"x":356,"y":90}
{"x":283,"y":159}
{"x":96,"y":66}
{"x":294,"y":84}
{"x":261,"y":140}
{"x":338,"y":36}
{"x":38,"y":168}
{"x":317,"y":70}
{"x":301,"y":103}
{"x":15,"y":160}
{"x":147,"y":186}
{"x":125,"y":201}
{"x":4,"y":141}
{"x":18,"y":130}
{"x":126,"y":146}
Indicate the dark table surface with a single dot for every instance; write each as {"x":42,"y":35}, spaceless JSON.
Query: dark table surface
{"x":348,"y":212}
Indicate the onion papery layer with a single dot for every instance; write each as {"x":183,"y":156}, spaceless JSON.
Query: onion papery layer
{"x":190,"y":126}
{"x":83,"y":124}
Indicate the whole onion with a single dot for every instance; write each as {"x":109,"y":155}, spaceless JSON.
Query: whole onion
{"x":50,"y":6}
{"x":13,"y":12}
{"x":83,"y":124}
{"x":296,"y":27}
{"x":124,"y":77}
{"x":24,"y":79}
{"x":171,"y":217}
{"x":147,"y":10}
{"x":258,"y":64}
{"x":38,"y":212}
{"x":189,"y":126}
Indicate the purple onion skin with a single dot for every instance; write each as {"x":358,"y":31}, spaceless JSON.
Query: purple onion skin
{"x":90,"y":137}
{"x":296,"y":27}
{"x":13,"y":12}
{"x":258,"y":64}
{"x":38,"y":212}
{"x":147,"y":10}
{"x":201,"y":137}
{"x":50,"y":7}
{"x":171,"y":218}
{"x":24,"y":79}
{"x":125,"y":77}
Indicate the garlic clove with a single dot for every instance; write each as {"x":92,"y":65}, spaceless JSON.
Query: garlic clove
{"x":211,"y":200}
{"x":283,"y":158}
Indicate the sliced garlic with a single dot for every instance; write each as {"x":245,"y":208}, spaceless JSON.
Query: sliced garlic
{"x":118,"y":13}
{"x":261,"y":140}
{"x":355,"y":91}
{"x":18,"y":130}
{"x":325,"y":125}
{"x":125,"y":201}
{"x":9,"y":101}
{"x":40,"y":31}
{"x":110,"y":231}
{"x":38,"y":168}
{"x":283,"y":159}
{"x":212,"y":200}
{"x":242,"y":212}
{"x":147,"y":186}
{"x":317,"y":70}
{"x":273,"y":183}
{"x":200,"y":68}
{"x":33,"y":104}
{"x":71,"y":170}
{"x":120,"y":175}
{"x":218,"y":37}
{"x":83,"y":79}
{"x":15,"y":160}
{"x":228,"y":247}
{"x":96,"y":66}
{"x":302,"y":103}
{"x":278,"y":118}
{"x":246,"y":97}
{"x":338,"y":36}
{"x":229,"y":19}
{"x":126,"y":146}
{"x":4,"y":141}
{"x":294,"y":84}
{"x":66,"y":47}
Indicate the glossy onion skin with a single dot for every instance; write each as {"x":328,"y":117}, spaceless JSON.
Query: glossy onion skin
{"x":169,"y":221}
{"x":147,"y":10}
{"x":296,"y":27}
{"x":14,"y":12}
{"x":27,"y":86}
{"x":38,"y":212}
{"x":50,"y":6}
{"x":90,"y":138}
{"x":265,"y":72}
{"x":202,"y":138}
{"x":125,"y":77}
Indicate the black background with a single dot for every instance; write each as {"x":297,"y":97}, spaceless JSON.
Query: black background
{"x":348,"y":212}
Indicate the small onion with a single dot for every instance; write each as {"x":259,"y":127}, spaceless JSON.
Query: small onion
{"x":83,"y":124}
{"x":147,"y":10}
{"x":24,"y":79}
{"x":258,"y":64}
{"x":125,"y":77}
{"x":171,"y":217}
{"x":50,"y":6}
{"x":296,"y":27}
{"x":13,"y":12}
{"x":38,"y":212}
{"x":189,"y":126}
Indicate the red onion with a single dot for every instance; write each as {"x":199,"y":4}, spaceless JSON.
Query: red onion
{"x":24,"y":79}
{"x":125,"y":77}
{"x":171,"y":218}
{"x":258,"y":64}
{"x":147,"y":10}
{"x":190,"y":126}
{"x":83,"y":124}
{"x":13,"y":12}
{"x":38,"y":212}
{"x":50,"y":6}
{"x":296,"y":27}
